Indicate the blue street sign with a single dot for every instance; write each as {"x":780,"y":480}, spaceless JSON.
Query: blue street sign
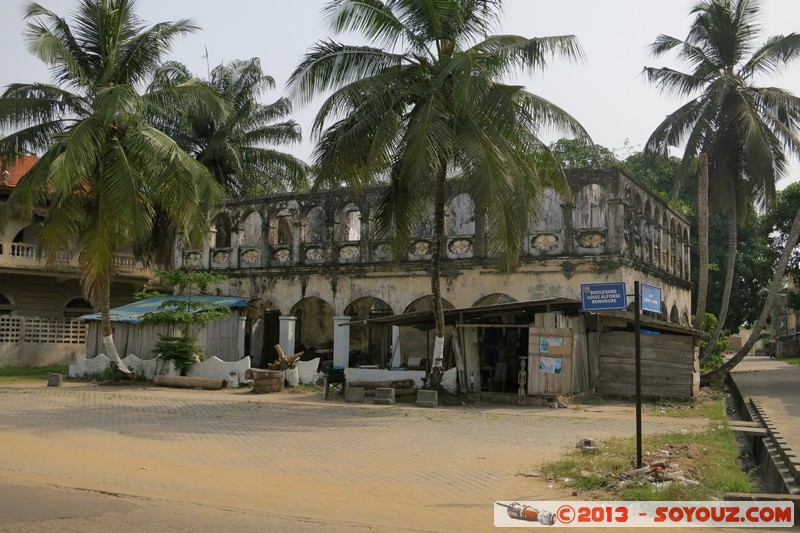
{"x":651,"y":298}
{"x":603,"y":296}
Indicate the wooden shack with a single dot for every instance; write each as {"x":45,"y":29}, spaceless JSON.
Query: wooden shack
{"x":565,"y":351}
{"x":221,"y":338}
{"x":670,"y":364}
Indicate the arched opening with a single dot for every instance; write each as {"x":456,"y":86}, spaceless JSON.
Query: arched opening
{"x":77,"y":307}
{"x":590,"y":218}
{"x":665,"y":244}
{"x":546,"y":233}
{"x":314,"y":326}
{"x":221,"y":231}
{"x":252,"y":235}
{"x":369,"y":345}
{"x":460,"y":226}
{"x":281,"y":237}
{"x":348,"y":224}
{"x":674,"y":315}
{"x":282,"y":232}
{"x":493,"y":299}
{"x":657,"y":248}
{"x":24,"y":242}
{"x":7,"y":306}
{"x":647,"y":233}
{"x":315,"y":230}
{"x":262,"y":332}
{"x":417,"y":342}
{"x":421,"y":235}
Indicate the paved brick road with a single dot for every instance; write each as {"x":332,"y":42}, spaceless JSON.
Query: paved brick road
{"x":393,"y":467}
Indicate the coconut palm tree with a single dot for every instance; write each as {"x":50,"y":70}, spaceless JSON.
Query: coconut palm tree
{"x":104,"y":170}
{"x":424,"y":103}
{"x":746,"y":130}
{"x":792,"y":240}
{"x":237,"y":148}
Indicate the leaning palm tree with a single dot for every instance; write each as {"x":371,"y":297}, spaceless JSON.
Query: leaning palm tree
{"x":238,"y":148}
{"x":425,"y":103}
{"x":746,"y":130}
{"x":105,"y":170}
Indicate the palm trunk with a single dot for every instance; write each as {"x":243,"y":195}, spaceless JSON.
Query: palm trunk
{"x":435,"y":376}
{"x":726,"y":292}
{"x":117,"y":366}
{"x":702,"y":238}
{"x":774,"y":286}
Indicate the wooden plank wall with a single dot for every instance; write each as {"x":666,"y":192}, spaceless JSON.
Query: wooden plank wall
{"x":549,"y":384}
{"x":669,"y":365}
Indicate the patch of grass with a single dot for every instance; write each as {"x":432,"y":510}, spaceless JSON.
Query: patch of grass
{"x":792,"y":360}
{"x":710,"y":457}
{"x":708,"y":405}
{"x":13,"y":374}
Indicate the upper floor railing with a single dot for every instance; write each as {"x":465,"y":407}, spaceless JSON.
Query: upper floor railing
{"x":608,"y":214}
{"x":27,"y":256}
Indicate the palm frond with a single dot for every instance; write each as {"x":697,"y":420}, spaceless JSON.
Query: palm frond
{"x":774,"y":57}
{"x":330,"y":65}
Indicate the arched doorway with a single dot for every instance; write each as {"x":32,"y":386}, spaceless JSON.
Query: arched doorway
{"x":416,"y":342}
{"x":369,"y":345}
{"x":262,"y":332}
{"x":314,"y":326}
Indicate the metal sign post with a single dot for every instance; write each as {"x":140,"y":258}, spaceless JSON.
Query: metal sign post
{"x":638,"y":362}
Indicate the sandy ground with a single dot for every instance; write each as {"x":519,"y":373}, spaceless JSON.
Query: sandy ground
{"x":296,"y":456}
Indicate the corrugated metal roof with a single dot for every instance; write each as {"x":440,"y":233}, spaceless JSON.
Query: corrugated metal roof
{"x":133,"y":313}
{"x":424,"y":319}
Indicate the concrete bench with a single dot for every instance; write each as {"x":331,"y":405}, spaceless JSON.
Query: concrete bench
{"x":427,"y":398}
{"x":354,"y":394}
{"x":384,"y":396}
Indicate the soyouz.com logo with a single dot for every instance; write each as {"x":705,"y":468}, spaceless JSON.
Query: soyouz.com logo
{"x":643,"y":514}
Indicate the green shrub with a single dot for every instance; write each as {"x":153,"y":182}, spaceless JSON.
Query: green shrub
{"x":182,"y":351}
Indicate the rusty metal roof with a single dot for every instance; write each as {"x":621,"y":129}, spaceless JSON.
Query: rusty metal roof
{"x":465,"y":315}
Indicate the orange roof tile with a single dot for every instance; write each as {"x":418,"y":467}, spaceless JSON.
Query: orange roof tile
{"x":10,"y":174}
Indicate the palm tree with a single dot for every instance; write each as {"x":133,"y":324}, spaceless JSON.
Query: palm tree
{"x":425,"y":104}
{"x":792,"y":240}
{"x":746,"y":130}
{"x":104,"y":171}
{"x":235,"y":148}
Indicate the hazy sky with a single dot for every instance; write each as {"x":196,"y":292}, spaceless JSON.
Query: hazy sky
{"x":606,"y":93}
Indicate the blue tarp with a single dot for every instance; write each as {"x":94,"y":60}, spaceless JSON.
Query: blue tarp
{"x":134,"y":312}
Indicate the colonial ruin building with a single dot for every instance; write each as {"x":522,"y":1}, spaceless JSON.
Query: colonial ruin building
{"x":307,"y":262}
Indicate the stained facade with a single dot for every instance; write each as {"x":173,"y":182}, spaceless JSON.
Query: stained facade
{"x":314,"y":256}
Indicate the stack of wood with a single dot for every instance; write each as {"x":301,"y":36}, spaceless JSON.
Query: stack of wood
{"x":402,"y":387}
{"x":265,"y":381}
{"x":284,"y":361}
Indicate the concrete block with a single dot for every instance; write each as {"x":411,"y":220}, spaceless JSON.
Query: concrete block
{"x":354,"y":394}
{"x":384,"y":396}
{"x":427,"y":398}
{"x":55,"y":380}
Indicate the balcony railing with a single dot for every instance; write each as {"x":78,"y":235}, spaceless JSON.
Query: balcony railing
{"x":25,"y":255}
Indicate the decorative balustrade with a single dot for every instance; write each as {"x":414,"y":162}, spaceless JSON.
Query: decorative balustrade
{"x":27,"y":255}
{"x":609,"y":214}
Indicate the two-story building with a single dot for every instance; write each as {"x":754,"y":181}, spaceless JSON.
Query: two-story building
{"x":308,"y":261}
{"x":38,"y":300}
